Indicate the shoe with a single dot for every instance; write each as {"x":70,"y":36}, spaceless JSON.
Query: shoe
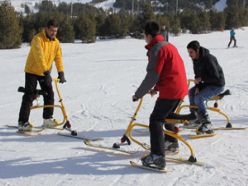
{"x":50,"y":123}
{"x":171,"y":148}
{"x":154,"y":161}
{"x":206,"y":126}
{"x":193,"y":119}
{"x":193,"y":124}
{"x":205,"y":129}
{"x":24,"y":127}
{"x":192,"y":116}
{"x":203,"y":118}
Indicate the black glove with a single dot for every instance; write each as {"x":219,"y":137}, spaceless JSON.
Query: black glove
{"x":135,"y":98}
{"x":47,"y":78}
{"x":61,"y":77}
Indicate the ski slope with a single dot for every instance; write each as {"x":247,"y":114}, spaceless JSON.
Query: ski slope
{"x":101,"y":79}
{"x":220,"y":5}
{"x":18,"y":4}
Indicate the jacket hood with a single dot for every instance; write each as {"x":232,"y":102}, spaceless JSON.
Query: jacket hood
{"x":156,"y":39}
{"x":203,"y":52}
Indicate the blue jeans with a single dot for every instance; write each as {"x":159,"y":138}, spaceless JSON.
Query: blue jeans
{"x":203,"y":96}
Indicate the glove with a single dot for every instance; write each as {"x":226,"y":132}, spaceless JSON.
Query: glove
{"x":135,"y":98}
{"x":47,"y":78}
{"x":61,"y":77}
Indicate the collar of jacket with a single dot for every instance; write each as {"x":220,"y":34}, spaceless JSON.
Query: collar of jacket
{"x":46,"y":36}
{"x":156,"y":39}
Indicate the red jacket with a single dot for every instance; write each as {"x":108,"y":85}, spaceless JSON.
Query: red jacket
{"x":165,"y":71}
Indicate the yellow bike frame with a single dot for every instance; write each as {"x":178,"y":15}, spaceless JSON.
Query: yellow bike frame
{"x":60,"y":106}
{"x":128,"y":137}
{"x":65,"y":122}
{"x":213,"y":108}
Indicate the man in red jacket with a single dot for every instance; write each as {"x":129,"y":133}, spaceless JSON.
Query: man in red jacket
{"x":166,"y":75}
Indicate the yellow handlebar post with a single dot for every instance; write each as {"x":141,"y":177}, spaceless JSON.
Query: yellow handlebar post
{"x":128,"y":134}
{"x":56,"y":80}
{"x":133,"y":118}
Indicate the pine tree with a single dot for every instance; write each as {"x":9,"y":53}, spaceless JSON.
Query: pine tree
{"x":195,"y":22}
{"x":204,"y":22}
{"x":10,"y":30}
{"x":217,"y":20}
{"x":111,"y":27}
{"x":232,"y":14}
{"x":28,"y":28}
{"x":147,"y":14}
{"x":46,"y":6}
{"x":85,"y":28}
{"x":175,"y":26}
{"x":66,"y":32}
{"x":186,"y":19}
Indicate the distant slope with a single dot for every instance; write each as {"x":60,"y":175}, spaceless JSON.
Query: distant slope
{"x":31,"y":3}
{"x":221,"y":5}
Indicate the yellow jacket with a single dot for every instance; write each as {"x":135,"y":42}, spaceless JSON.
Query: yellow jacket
{"x":42,"y":54}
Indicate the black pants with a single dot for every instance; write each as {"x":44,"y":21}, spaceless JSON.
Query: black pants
{"x":162,"y":109}
{"x":30,"y":94}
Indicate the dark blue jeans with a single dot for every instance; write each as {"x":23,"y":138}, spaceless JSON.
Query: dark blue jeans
{"x":204,"y":94}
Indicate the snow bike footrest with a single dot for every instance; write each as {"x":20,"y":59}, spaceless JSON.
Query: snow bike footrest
{"x":67,"y":126}
{"x":38,"y":92}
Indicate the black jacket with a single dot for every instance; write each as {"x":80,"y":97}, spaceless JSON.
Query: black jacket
{"x":208,"y":69}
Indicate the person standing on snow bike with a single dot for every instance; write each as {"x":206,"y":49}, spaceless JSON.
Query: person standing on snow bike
{"x":209,"y":82}
{"x":166,"y":75}
{"x":45,"y":48}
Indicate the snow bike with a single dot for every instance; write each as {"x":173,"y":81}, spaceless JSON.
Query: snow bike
{"x":213,"y":108}
{"x":65,"y":122}
{"x":128,"y":137}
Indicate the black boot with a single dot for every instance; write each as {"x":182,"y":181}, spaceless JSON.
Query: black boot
{"x":193,"y":119}
{"x":171,"y":147}
{"x":206,"y":126}
{"x":154,"y":161}
{"x":171,"y":144}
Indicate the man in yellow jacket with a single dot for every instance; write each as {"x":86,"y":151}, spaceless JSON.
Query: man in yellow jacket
{"x":45,"y":49}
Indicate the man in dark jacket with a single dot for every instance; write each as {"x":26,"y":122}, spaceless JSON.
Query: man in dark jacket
{"x":165,"y":74}
{"x":209,"y":82}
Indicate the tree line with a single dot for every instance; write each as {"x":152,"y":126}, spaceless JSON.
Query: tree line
{"x":85,"y":22}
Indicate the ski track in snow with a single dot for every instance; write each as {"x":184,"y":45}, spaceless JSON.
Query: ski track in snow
{"x":97,"y":97}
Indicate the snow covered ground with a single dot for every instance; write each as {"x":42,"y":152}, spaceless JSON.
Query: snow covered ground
{"x":101,"y":78}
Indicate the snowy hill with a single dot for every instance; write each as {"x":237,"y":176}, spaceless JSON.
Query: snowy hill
{"x":31,"y":3}
{"x":220,"y":5}
{"x":101,"y":78}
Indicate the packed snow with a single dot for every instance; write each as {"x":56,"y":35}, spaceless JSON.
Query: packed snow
{"x":101,"y":79}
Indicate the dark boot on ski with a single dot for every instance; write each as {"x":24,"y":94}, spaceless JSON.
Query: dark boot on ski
{"x":154,"y":161}
{"x":171,"y":147}
{"x":24,"y":126}
{"x":194,"y":121}
{"x":206,"y":126}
